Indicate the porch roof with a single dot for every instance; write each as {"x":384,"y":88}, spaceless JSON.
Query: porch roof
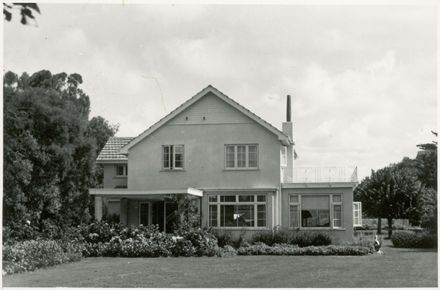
{"x":124,"y":192}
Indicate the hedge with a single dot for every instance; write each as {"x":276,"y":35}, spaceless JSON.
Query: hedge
{"x":290,"y":250}
{"x":414,"y":240}
{"x":300,"y":238}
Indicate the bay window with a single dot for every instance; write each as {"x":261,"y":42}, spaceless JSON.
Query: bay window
{"x":315,"y":211}
{"x":248,"y":210}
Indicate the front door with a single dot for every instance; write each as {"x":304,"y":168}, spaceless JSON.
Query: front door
{"x":144,"y":213}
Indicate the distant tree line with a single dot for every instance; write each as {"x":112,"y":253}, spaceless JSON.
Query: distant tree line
{"x":407,"y":189}
{"x":50,"y":147}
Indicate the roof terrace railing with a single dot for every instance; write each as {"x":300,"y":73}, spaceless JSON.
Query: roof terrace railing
{"x":324,"y":174}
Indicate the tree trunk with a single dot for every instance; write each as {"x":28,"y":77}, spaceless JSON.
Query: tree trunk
{"x":390,"y":227}
{"x":379,"y":226}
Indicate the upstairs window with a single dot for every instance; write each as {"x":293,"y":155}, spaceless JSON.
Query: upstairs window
{"x":173,"y":157}
{"x":243,"y":156}
{"x":121,"y":170}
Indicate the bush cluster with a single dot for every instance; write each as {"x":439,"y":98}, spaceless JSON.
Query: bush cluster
{"x":293,"y":250}
{"x":30,"y":255}
{"x":226,"y":251}
{"x":299,"y":238}
{"x":102,"y":239}
{"x":225,"y":239}
{"x":414,"y":240}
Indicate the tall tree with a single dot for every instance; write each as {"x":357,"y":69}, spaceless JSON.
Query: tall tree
{"x":426,"y":161}
{"x":49,"y":156}
{"x":389,"y":193}
{"x":100,"y":129}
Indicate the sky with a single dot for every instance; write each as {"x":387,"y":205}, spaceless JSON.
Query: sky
{"x":363,"y":79}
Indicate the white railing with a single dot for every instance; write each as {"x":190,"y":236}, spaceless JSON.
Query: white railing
{"x":324,"y":174}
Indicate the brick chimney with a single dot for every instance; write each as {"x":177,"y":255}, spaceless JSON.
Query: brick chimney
{"x":288,"y":130}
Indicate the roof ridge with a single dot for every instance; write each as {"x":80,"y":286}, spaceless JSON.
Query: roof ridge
{"x":175,"y":109}
{"x":219,"y":94}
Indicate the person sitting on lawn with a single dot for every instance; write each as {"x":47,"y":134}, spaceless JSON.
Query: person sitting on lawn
{"x":377,"y":245}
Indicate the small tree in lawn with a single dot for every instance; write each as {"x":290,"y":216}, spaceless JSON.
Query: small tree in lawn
{"x":389,"y":193}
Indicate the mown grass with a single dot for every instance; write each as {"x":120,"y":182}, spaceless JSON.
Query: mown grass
{"x":396,"y":268}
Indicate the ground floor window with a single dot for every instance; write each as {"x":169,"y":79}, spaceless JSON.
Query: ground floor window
{"x":233,"y":210}
{"x":357,"y":214}
{"x":315,"y":211}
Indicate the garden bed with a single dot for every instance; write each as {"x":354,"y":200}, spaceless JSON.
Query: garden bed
{"x":115,"y":240}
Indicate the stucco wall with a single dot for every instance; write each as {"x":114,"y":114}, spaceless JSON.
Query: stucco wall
{"x":337,"y":235}
{"x":110,"y":179}
{"x":204,"y":157}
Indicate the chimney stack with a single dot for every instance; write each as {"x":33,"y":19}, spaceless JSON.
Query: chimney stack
{"x":287,"y":169}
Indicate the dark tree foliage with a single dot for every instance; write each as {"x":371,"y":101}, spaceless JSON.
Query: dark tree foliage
{"x":100,"y":129}
{"x":389,"y":193}
{"x":416,"y":182}
{"x":49,"y":155}
{"x":427,"y":163}
{"x":27,"y":11}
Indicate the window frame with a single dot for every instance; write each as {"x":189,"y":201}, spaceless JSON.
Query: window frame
{"x":359,"y":211}
{"x":172,"y":157}
{"x":331,"y":209}
{"x":218,"y":203}
{"x":246,"y":167}
{"x":125,"y":170}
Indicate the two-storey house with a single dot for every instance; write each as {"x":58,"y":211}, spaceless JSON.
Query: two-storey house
{"x":238,"y":167}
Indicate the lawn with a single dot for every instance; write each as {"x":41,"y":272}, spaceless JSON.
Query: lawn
{"x":396,"y":268}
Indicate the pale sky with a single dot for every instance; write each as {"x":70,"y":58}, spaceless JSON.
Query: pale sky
{"x":362,"y":78}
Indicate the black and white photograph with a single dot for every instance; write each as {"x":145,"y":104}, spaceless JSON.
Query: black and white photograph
{"x":287,"y":144}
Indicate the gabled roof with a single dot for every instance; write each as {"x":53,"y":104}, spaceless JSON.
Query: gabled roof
{"x":110,"y":152}
{"x":283,"y":138}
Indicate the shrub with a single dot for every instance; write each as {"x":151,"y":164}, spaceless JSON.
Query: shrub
{"x":34,"y":254}
{"x":223,"y":238}
{"x":271,"y":237}
{"x":300,"y":238}
{"x":226,"y":251}
{"x":305,"y":239}
{"x":414,"y":240}
{"x":103,"y":239}
{"x":204,"y":242}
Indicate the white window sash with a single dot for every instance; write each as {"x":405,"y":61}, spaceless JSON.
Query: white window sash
{"x":246,"y":156}
{"x":171,"y":157}
{"x":236,"y":203}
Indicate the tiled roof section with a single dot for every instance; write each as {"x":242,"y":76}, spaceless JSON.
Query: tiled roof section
{"x":110,"y":152}
{"x":212,"y":87}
